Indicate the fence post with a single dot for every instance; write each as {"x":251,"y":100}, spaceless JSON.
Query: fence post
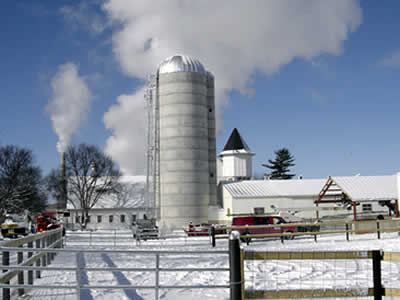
{"x":48,"y":243}
{"x":213,"y":236}
{"x":236,"y":275}
{"x":157,"y":275}
{"x":30,"y":273}
{"x":376,"y":268}
{"x":377,"y":230}
{"x":20,"y":259}
{"x":37,"y":245}
{"x":44,"y":257}
{"x":347,"y":232}
{"x":281,"y":235}
{"x":78,"y":275}
{"x":6,"y":262}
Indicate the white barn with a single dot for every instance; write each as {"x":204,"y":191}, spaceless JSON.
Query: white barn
{"x":351,"y":197}
{"x":113,"y":211}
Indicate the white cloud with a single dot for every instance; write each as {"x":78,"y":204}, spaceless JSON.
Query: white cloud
{"x":233,"y":39}
{"x":392,"y":60}
{"x":127,"y":120}
{"x":69,"y":104}
{"x":84,"y":15}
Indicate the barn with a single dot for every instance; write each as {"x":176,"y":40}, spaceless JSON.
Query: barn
{"x":339,"y":197}
{"x":365,"y":197}
{"x":113,"y":211}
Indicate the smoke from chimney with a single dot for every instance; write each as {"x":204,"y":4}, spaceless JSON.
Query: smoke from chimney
{"x":69,"y":104}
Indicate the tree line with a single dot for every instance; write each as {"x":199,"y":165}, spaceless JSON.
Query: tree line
{"x":90,"y":174}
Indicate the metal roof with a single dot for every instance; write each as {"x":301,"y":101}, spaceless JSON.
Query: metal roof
{"x":132,"y":195}
{"x":181,"y":63}
{"x":368,"y":188}
{"x":274,"y":188}
{"x":236,"y":142}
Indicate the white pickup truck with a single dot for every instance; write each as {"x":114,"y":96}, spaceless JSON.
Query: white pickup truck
{"x":15,"y":225}
{"x":145,"y":229}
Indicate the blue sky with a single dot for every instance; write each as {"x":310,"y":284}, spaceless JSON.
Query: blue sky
{"x":337,"y":111}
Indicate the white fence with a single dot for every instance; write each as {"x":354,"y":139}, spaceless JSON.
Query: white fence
{"x":79,"y":268}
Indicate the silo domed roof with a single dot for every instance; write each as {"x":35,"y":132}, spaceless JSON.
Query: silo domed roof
{"x":181,"y":63}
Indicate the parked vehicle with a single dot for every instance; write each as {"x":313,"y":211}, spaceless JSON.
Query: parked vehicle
{"x":203,"y":229}
{"x":46,"y":221}
{"x":145,"y":229}
{"x":15,"y":225}
{"x":198,"y":230}
{"x":262,"y":220}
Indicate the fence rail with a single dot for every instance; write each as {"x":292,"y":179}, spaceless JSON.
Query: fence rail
{"x":240,"y":255}
{"x":79,"y":268}
{"x":37,"y":255}
{"x":236,"y":283}
{"x":360,"y":227}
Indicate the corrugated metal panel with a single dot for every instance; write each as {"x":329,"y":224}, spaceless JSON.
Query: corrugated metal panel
{"x":181,"y":63}
{"x":275,"y":188}
{"x":368,"y":188}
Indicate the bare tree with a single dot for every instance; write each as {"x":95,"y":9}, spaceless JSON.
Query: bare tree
{"x":91,"y":174}
{"x":21,"y":185}
{"x":129,"y":194}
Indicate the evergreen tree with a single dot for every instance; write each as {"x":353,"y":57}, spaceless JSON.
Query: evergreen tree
{"x":280,"y":166}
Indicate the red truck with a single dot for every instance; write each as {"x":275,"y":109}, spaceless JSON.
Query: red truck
{"x":203,"y":229}
{"x":262,"y":220}
{"x":46,"y":221}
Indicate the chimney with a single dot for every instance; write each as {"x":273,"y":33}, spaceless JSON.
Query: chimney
{"x":62,"y":204}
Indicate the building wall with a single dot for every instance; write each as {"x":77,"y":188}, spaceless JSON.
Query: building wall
{"x":237,"y":165}
{"x":302,"y":207}
{"x":130,"y":215}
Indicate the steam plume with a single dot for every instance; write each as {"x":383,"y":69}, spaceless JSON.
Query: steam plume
{"x":69,"y":104}
{"x":233,"y":39}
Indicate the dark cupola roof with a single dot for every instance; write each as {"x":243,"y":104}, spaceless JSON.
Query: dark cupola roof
{"x":236,"y":142}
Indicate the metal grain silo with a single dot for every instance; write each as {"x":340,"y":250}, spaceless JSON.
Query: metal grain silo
{"x":186,"y":123}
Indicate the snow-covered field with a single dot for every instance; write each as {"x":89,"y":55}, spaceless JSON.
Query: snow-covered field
{"x":272,"y":275}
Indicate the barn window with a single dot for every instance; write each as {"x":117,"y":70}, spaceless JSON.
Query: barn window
{"x":122,"y":217}
{"x":133,"y":219}
{"x":259,"y":210}
{"x":111,"y":218}
{"x":367,"y":207}
{"x":98,"y":219}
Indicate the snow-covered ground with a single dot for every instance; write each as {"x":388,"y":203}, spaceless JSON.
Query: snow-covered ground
{"x":272,"y":275}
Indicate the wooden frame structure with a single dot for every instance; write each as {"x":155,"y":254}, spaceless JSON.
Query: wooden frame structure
{"x":333,"y":193}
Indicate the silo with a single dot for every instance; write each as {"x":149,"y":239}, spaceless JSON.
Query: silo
{"x":212,"y":148}
{"x":183,"y":97}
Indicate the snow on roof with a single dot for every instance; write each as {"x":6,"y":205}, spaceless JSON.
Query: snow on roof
{"x":275,"y":188}
{"x":131,"y":196}
{"x":368,"y":188}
